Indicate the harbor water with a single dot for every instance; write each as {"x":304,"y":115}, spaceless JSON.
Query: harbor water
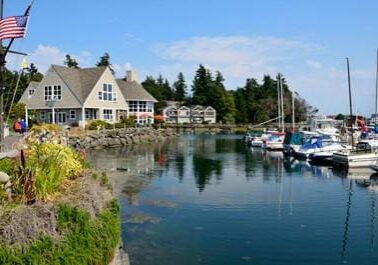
{"x":208,"y":199}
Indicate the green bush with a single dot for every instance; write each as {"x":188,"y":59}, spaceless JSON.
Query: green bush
{"x":8,"y":166}
{"x":104,"y":180}
{"x":95,"y":124}
{"x":126,"y":122}
{"x":84,"y":241}
{"x":48,"y":166}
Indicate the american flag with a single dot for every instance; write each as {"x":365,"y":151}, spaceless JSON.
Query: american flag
{"x":13,"y":27}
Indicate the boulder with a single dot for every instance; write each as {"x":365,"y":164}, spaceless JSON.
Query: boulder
{"x":4,"y":177}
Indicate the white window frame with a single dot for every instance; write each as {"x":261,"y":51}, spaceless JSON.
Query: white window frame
{"x":142,"y":106}
{"x":72,"y":114}
{"x":107,"y":93}
{"x":61,"y":117}
{"x":149,"y":107}
{"x":42,"y":115}
{"x":31,"y":91}
{"x":133,"y":106}
{"x":53,"y":93}
{"x":107,"y":114}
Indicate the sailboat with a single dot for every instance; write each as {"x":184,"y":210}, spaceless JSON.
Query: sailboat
{"x":365,"y":153}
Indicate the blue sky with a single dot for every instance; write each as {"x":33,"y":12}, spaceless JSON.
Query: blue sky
{"x":307,"y":41}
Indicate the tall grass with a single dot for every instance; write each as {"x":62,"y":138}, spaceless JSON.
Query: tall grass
{"x":52,"y":164}
{"x":84,"y":240}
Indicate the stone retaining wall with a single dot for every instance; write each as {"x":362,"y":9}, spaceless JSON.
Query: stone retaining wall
{"x":120,"y":137}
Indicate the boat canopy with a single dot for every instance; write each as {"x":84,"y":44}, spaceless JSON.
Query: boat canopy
{"x":315,"y":142}
{"x":296,"y":138}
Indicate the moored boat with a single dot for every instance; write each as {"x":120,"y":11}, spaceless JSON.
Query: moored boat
{"x":363,"y":155}
{"x":275,"y":141}
{"x":319,"y":144}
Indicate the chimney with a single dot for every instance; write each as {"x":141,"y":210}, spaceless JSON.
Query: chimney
{"x":131,"y":76}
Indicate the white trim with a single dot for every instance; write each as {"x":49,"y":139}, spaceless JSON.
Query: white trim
{"x":70,"y":114}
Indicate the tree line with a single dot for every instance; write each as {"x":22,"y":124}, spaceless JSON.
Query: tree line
{"x":252,"y":103}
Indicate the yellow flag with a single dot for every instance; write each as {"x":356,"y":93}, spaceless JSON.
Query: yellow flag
{"x":24,"y":64}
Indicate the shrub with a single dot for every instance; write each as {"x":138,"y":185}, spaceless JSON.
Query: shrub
{"x":95,"y":124}
{"x":8,"y":166}
{"x":52,"y":164}
{"x":104,"y":179}
{"x":52,"y":128}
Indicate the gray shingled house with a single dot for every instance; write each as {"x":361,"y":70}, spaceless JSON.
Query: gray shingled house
{"x":140,"y":102}
{"x":68,"y":95}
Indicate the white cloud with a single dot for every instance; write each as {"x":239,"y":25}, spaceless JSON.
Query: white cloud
{"x":306,"y":66}
{"x":44,"y":56}
{"x":235,"y":56}
{"x":121,"y":69}
{"x":313,"y":64}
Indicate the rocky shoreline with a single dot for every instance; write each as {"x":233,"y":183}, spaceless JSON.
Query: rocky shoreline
{"x":119,"y":137}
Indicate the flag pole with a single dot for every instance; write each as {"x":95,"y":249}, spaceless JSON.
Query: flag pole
{"x":26,"y":13}
{"x":2,"y":64}
{"x":3,"y":53}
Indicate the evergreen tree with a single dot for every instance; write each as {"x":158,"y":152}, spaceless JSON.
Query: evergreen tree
{"x":70,"y":62}
{"x":151,"y":86}
{"x":241,"y":114}
{"x":33,"y":73}
{"x":105,"y":61}
{"x":180,"y":88}
{"x":167,"y":92}
{"x":200,"y":87}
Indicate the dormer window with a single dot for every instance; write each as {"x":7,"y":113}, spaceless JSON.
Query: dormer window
{"x":31,"y":91}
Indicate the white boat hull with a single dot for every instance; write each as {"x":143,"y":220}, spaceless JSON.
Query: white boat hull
{"x":274,"y":145}
{"x":347,"y":159}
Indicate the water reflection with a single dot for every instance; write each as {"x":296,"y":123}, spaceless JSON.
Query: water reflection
{"x":204,"y":168}
{"x":347,"y":219}
{"x":235,"y":205}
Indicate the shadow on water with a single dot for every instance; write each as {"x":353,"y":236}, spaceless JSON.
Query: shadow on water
{"x":204,"y":169}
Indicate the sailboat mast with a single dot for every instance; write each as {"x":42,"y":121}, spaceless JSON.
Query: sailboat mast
{"x":293,"y":108}
{"x":376,"y":95}
{"x":278,"y":100}
{"x":350,"y":99}
{"x":282,"y":107}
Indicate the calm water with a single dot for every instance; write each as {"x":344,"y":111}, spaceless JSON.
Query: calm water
{"x":207,"y":199}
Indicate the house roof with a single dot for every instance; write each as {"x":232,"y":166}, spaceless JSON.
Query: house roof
{"x":25,"y":96}
{"x":134,"y":91}
{"x":80,"y":81}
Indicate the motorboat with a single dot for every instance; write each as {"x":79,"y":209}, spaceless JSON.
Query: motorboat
{"x":320,"y":144}
{"x":275,"y":141}
{"x":253,"y":139}
{"x":293,"y":141}
{"x":365,"y":154}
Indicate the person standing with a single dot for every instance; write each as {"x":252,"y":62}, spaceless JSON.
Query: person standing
{"x":23,"y":126}
{"x":17,"y":126}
